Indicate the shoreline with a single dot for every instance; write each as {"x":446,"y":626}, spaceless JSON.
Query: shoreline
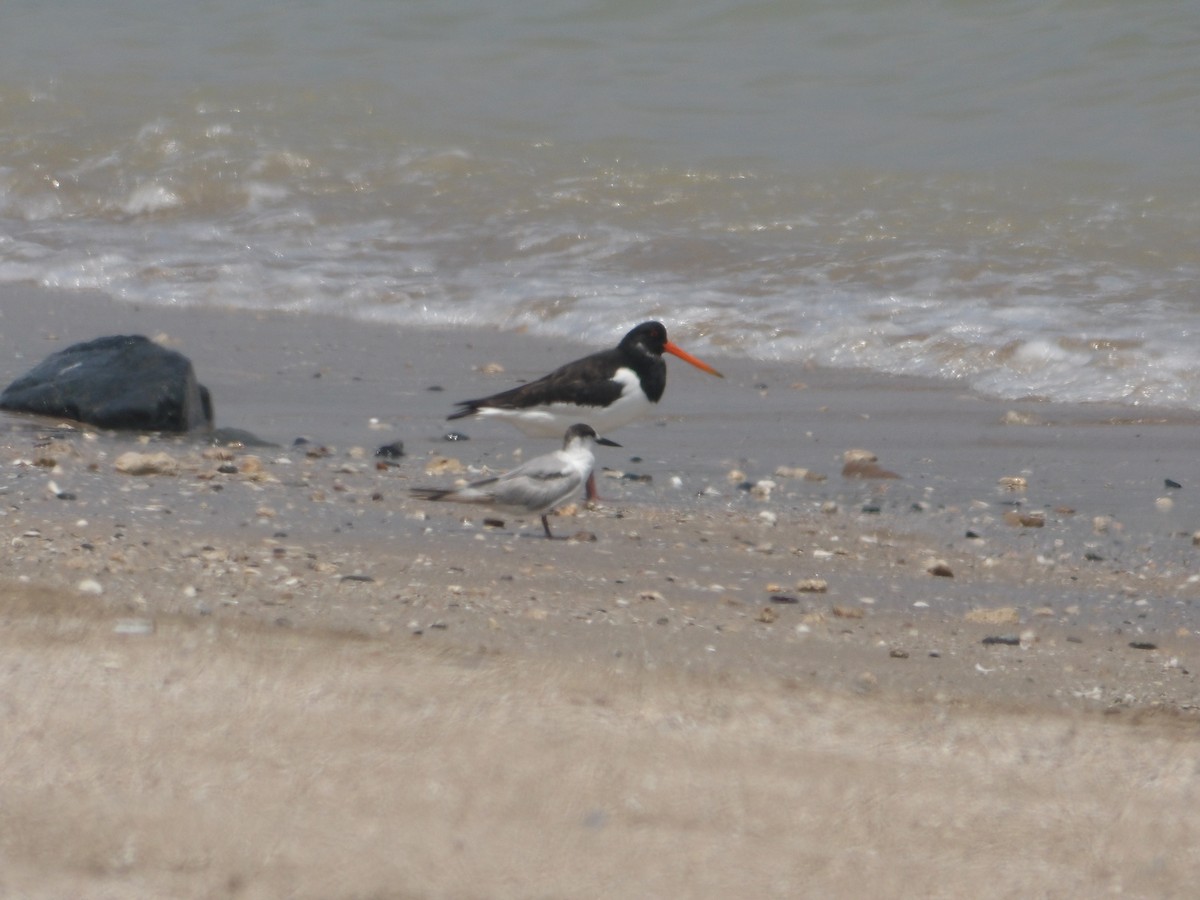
{"x":905,"y":610}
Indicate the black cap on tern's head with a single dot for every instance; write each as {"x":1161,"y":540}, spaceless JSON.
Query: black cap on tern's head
{"x":580,"y":431}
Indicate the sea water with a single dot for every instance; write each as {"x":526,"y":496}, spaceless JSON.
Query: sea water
{"x":1000,"y":192}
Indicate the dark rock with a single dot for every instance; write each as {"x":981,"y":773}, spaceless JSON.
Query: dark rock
{"x":121,"y":381}
{"x":1171,"y":484}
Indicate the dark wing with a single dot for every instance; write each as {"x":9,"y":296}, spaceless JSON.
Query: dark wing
{"x":585,"y":382}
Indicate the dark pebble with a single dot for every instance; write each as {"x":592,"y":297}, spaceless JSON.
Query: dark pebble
{"x":455,"y":436}
{"x":1143,"y":645}
{"x":783,"y":598}
{"x":1007,"y":640}
{"x":394,"y":450}
{"x":1171,"y":484}
{"x":364,"y":578}
{"x":227,"y":469}
{"x":436,"y":388}
{"x":65,"y":495}
{"x":872,"y":509}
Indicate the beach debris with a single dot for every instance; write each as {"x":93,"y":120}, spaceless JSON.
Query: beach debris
{"x":761,"y":490}
{"x":1171,"y":484}
{"x":999,"y":615}
{"x":859,"y":463}
{"x":1007,"y":640}
{"x":847,"y":612}
{"x":939,"y":568}
{"x":455,"y":436}
{"x":783,"y":598}
{"x":90,"y":586}
{"x":394,"y":450}
{"x":1164,"y":504}
{"x":767,"y":615}
{"x":897,"y":653}
{"x":134,"y":463}
{"x":492,"y":368}
{"x":1013,"y":483}
{"x":126,"y":382}
{"x":812,"y":586}
{"x":799,"y":473}
{"x":443,"y":465}
{"x":1023,"y":519}
{"x":1143,"y":645}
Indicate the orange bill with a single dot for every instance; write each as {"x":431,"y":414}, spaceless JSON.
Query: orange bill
{"x":687,"y":357}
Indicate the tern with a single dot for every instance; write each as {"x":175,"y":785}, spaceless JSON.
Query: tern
{"x":534,"y":487}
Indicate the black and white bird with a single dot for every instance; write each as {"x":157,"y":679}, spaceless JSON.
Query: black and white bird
{"x":606,"y":389}
{"x":534,"y":487}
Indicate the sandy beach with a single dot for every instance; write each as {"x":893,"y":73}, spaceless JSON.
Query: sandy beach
{"x":265,"y":671}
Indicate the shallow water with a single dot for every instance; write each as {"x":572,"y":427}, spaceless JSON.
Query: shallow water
{"x":999,"y":193}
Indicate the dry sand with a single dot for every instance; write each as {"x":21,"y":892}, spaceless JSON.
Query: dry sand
{"x":272,"y":674}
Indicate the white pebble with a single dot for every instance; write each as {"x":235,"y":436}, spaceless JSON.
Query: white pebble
{"x":89,"y":586}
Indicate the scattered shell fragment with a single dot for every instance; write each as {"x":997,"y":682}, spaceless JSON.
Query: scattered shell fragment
{"x":1164,"y":504}
{"x":1020,"y":519}
{"x":134,"y":463}
{"x":847,"y":612}
{"x":999,"y":615}
{"x":860,"y":463}
{"x":443,"y":465}
{"x":858,"y":455}
{"x":812,"y":585}
{"x":1013,"y":482}
{"x":761,"y":490}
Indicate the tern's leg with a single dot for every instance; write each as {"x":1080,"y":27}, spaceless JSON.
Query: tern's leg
{"x":591,"y":496}
{"x":546,"y":525}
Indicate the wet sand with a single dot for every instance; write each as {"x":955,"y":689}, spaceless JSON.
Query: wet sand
{"x":274,"y":674}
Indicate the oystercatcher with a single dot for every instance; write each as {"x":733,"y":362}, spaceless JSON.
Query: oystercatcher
{"x":535,"y":487}
{"x":607,"y":389}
